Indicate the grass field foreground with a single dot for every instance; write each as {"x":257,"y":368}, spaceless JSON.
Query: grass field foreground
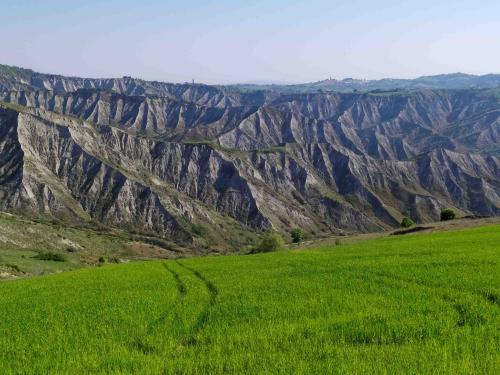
{"x":420,"y":303}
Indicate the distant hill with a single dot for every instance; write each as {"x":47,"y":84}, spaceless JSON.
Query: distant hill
{"x":443,"y":81}
{"x":12,"y":77}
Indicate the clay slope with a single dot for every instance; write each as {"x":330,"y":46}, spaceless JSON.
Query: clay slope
{"x":211,"y":166}
{"x":59,"y":165}
{"x":391,"y":127}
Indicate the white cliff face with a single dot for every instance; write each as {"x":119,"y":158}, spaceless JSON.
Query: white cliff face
{"x":200,"y":154}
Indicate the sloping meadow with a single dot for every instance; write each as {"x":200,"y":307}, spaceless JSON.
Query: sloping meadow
{"x":420,"y":303}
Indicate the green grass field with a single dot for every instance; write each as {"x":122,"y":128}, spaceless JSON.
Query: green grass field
{"x":420,"y":303}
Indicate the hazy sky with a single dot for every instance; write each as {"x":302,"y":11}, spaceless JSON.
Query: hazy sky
{"x":228,"y":41}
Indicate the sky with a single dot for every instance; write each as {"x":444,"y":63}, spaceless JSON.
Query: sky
{"x":229,"y":41}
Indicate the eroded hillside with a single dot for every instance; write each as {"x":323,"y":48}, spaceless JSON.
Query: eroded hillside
{"x":162,"y":158}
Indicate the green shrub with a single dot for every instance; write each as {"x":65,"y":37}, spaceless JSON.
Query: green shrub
{"x":407,"y":222}
{"x":198,"y":229}
{"x":447,"y":214}
{"x":51,"y":256}
{"x":271,"y":241}
{"x":297,"y":235}
{"x":14,"y":267}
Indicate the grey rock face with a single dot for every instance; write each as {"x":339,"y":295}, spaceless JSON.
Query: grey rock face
{"x":393,"y":127}
{"x":51,"y":173}
{"x":201,"y":154}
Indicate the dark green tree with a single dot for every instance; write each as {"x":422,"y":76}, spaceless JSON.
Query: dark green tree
{"x":297,"y":235}
{"x":447,"y":214}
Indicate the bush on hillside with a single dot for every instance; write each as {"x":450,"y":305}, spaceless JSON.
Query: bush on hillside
{"x":51,"y":256}
{"x":271,"y":241}
{"x":447,"y":214}
{"x":298,"y":235}
{"x":407,"y":222}
{"x":198,"y":229}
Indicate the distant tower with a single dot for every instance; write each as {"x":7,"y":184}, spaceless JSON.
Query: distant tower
{"x":192,"y":81}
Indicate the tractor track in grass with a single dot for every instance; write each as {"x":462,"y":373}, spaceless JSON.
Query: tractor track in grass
{"x":202,"y":318}
{"x":466,"y":316}
{"x":189,"y":337}
{"x":181,"y":287}
{"x":139,"y":342}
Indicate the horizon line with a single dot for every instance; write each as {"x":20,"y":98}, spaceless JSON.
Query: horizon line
{"x":256,"y":82}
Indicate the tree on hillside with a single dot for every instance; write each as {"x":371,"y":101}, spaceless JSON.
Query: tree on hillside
{"x":447,"y":214}
{"x":407,"y":222}
{"x":297,"y":235}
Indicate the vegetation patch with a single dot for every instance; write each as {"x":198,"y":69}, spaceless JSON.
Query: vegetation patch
{"x":407,"y":222}
{"x":56,"y":257}
{"x":297,"y":235}
{"x":198,"y":229}
{"x":447,"y":214}
{"x":271,"y":241}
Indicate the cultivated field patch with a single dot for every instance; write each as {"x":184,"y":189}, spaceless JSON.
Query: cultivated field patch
{"x":419,"y":303}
